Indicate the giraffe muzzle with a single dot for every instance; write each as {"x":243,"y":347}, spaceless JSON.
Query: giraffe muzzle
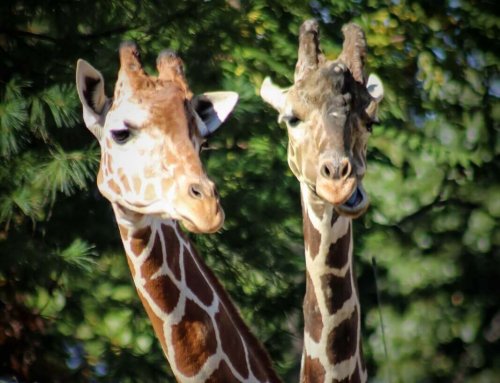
{"x":357,"y":203}
{"x":335,"y":182}
{"x":200,"y":211}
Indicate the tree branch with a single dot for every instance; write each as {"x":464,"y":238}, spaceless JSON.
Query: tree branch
{"x":91,"y":36}
{"x":18,"y":33}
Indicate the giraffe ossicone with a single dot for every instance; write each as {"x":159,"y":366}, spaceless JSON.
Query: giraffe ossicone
{"x":150,"y":136}
{"x":329,"y":112}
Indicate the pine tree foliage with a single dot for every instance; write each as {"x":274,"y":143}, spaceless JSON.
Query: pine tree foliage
{"x":68,"y":309}
{"x":13,"y":116}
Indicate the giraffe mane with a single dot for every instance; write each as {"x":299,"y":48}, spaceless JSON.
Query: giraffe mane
{"x":250,"y":338}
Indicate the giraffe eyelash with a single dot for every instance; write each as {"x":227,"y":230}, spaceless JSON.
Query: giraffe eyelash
{"x":120,"y":136}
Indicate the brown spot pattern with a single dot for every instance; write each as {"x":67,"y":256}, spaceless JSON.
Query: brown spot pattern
{"x":342,"y":341}
{"x":262,"y":371}
{"x":222,"y":374}
{"x":114,"y":187}
{"x":109,"y":163}
{"x":231,"y":345}
{"x":166,"y":183}
{"x":139,"y":240}
{"x":150,"y":192}
{"x":137,"y":182}
{"x":156,"y":322}
{"x":163,"y":291}
{"x":173,"y":249}
{"x":337,"y":290}
{"x":100,"y":176}
{"x":338,"y":253}
{"x":260,"y":363}
{"x":313,"y":371}
{"x":193,"y":339}
{"x":312,"y":237}
{"x":355,"y":377}
{"x":335,"y":216}
{"x":313,"y":323}
{"x":123,"y":231}
{"x":196,"y":281}
{"x":125,"y":183}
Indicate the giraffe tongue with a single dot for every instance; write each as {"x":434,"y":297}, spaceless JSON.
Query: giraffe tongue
{"x":354,"y":199}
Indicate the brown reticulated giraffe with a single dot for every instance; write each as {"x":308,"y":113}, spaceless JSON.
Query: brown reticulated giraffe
{"x":150,"y":136}
{"x":329,"y":111}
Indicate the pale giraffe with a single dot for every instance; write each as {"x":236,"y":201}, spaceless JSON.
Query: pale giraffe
{"x":329,"y":111}
{"x":150,"y":136}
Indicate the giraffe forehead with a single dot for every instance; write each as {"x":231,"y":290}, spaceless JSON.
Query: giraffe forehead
{"x":131,"y":111}
{"x":163,"y":106}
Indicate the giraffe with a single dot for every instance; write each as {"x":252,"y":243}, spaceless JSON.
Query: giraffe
{"x":329,"y":112}
{"x":150,"y":136}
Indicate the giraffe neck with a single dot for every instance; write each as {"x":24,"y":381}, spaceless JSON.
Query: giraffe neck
{"x":201,"y":333}
{"x":332,"y":325}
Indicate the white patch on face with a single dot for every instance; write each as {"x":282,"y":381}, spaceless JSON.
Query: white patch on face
{"x":295,"y":131}
{"x":132,"y":154}
{"x":129,"y":111}
{"x":136,"y":154}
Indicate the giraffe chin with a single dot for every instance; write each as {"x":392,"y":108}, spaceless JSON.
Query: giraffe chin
{"x":205,"y":227}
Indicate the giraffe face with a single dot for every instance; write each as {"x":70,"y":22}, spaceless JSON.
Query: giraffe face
{"x":150,"y":161}
{"x":150,"y":137}
{"x":328,"y":115}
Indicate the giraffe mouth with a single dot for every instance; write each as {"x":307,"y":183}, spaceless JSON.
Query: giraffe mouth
{"x":210,"y":226}
{"x":189,"y":224}
{"x":355,"y":198}
{"x":193,"y":228}
{"x":355,"y":205}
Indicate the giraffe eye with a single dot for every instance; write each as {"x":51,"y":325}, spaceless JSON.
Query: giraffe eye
{"x":370,"y":124}
{"x":292,"y":121}
{"x":120,"y":136}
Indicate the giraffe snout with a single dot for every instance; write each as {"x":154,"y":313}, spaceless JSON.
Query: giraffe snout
{"x":201,"y":212}
{"x":335,"y":182}
{"x":336,"y":170}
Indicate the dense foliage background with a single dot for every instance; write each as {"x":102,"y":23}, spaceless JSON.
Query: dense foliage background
{"x":68,"y":309}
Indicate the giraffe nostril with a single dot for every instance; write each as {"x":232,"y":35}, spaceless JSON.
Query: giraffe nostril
{"x":327,"y":171}
{"x":195,"y":191}
{"x":345,"y":169}
{"x":336,"y":171}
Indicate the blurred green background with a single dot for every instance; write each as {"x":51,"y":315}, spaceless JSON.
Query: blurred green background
{"x":68,"y":308}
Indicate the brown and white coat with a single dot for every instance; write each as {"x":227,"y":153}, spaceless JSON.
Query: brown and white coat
{"x":150,"y":135}
{"x":329,"y":111}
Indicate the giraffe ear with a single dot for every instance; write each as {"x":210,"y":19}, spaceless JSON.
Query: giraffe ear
{"x":375,"y":87}
{"x":273,"y":94}
{"x":90,"y":87}
{"x":212,"y":109}
{"x":376,"y":91}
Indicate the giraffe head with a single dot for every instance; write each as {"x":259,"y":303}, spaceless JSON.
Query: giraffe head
{"x":329,"y":111}
{"x":150,"y":135}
